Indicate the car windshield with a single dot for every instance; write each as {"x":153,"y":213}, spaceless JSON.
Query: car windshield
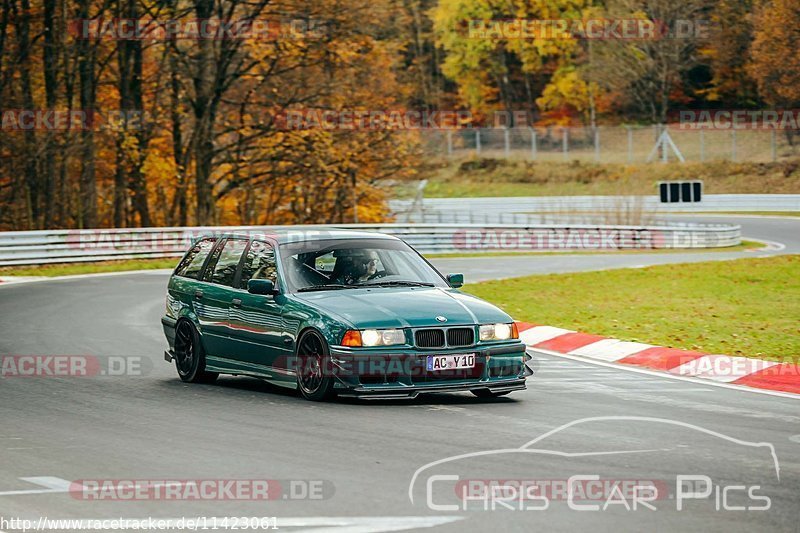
{"x":353,"y":263}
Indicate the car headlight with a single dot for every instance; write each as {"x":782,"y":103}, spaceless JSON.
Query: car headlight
{"x":380,"y":337}
{"x":498,"y":332}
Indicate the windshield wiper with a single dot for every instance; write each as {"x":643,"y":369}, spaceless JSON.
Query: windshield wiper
{"x":331,"y":287}
{"x":399,"y":283}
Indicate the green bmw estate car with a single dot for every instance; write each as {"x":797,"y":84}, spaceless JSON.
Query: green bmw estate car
{"x":335,"y":313}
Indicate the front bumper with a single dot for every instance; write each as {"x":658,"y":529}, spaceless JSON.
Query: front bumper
{"x":168,"y":324}
{"x":403,"y":374}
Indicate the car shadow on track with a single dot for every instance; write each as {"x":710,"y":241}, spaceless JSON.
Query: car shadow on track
{"x":248,"y":384}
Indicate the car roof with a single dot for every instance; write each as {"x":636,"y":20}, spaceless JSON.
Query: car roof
{"x":321,"y":233}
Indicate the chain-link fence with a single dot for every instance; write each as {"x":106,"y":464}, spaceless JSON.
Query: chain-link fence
{"x":615,"y":144}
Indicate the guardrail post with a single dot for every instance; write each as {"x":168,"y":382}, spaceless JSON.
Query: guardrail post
{"x":565,"y":143}
{"x":507,"y":142}
{"x":449,"y":142}
{"x":533,"y":143}
{"x":733,"y":145}
{"x":596,"y":144}
{"x":774,"y":145}
{"x":630,"y":144}
{"x":478,"y":140}
{"x":702,"y":145}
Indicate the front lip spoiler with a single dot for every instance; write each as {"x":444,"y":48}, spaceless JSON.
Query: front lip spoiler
{"x":412,"y":391}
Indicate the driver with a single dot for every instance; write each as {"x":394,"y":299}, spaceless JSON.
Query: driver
{"x":361,"y":268}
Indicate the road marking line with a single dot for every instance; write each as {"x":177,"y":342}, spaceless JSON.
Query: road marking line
{"x":51,"y":484}
{"x":612,"y":390}
{"x":46,"y":279}
{"x":772,"y":246}
{"x":595,"y":379}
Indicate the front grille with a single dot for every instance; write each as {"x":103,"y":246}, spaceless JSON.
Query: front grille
{"x":460,"y":337}
{"x":429,"y":338}
{"x":410,"y":370}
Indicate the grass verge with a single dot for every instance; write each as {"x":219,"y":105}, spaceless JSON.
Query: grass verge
{"x":471,"y":177}
{"x":746,"y":307}
{"x":69,"y":269}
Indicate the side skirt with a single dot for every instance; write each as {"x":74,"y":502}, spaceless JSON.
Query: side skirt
{"x":275,"y":376}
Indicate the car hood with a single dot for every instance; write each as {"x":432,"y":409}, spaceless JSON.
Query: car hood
{"x":404,"y":307}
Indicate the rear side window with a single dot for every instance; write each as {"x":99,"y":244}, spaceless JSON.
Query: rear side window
{"x":192,"y":263}
{"x":224,"y":271}
{"x":259,"y":263}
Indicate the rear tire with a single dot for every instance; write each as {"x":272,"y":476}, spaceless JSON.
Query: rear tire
{"x":312,"y":357}
{"x":486,"y":393}
{"x":190,"y":358}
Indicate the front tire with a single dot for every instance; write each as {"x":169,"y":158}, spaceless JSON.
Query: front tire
{"x":190,"y":358}
{"x":312,"y":356}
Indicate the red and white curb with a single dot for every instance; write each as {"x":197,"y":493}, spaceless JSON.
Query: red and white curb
{"x":756,"y":373}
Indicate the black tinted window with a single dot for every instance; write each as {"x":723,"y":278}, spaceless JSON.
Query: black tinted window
{"x":224,"y":271}
{"x":259,"y":263}
{"x":191,"y":264}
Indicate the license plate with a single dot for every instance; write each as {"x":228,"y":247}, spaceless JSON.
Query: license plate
{"x":451,"y":362}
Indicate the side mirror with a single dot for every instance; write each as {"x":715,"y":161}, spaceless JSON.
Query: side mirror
{"x":455,"y":280}
{"x":261,"y":286}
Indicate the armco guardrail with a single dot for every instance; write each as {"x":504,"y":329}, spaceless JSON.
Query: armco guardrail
{"x":65,"y":246}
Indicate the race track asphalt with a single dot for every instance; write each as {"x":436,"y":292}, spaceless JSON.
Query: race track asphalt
{"x":625,"y":426}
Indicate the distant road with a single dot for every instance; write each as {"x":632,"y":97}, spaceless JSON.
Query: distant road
{"x":783,"y":230}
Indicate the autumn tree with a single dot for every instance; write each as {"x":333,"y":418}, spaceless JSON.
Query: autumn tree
{"x":646,"y":73}
{"x":727,"y":53}
{"x":775,"y":62}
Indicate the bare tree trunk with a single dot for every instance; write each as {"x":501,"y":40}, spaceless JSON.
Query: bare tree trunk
{"x":87,"y":95}
{"x":67,"y":206}
{"x":204,"y":127}
{"x":129,"y":162}
{"x":179,"y":203}
{"x":6,"y":13}
{"x":31,"y":183}
{"x":50,"y":57}
{"x":137,"y":182}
